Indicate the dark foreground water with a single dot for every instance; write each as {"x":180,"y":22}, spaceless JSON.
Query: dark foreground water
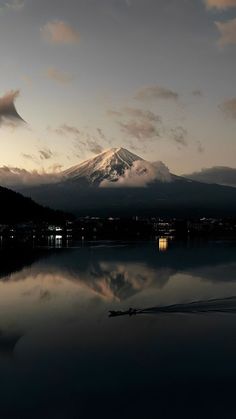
{"x":62,"y":357}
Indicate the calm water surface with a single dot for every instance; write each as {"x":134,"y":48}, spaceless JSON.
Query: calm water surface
{"x":62,"y":357}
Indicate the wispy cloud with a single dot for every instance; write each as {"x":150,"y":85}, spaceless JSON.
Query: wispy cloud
{"x":12,"y":176}
{"x":45,"y":154}
{"x":227,"y":32}
{"x":94,"y":146}
{"x":66,"y":129}
{"x":145,"y":125}
{"x":197,"y":92}
{"x":60,"y":32}
{"x":31,"y":157}
{"x":142,"y":130}
{"x":200,"y":147}
{"x":229,"y":107}
{"x":8,"y":112}
{"x":137,"y":113}
{"x":220,"y":4}
{"x":15,"y":5}
{"x":84,"y":141}
{"x":137,"y":123}
{"x":58,"y":76}
{"x":179,"y":135}
{"x":156,"y":92}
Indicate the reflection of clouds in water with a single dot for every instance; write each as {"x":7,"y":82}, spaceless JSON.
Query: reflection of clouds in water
{"x":124,"y":280}
{"x":112,"y":281}
{"x":8,"y":342}
{"x":120,"y":273}
{"x":219,"y":273}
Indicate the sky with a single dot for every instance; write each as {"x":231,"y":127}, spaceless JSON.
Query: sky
{"x":157,"y":77}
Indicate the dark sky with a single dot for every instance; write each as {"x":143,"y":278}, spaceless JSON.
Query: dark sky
{"x":154,"y":76}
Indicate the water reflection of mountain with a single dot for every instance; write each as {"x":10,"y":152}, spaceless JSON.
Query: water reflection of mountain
{"x":122,"y":271}
{"x":15,"y":259}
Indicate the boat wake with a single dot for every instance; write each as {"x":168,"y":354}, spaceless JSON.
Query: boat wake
{"x":220,"y":305}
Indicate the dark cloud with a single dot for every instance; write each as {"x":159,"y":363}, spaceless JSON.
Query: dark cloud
{"x":136,"y":113}
{"x":179,"y":135}
{"x":8,"y":112}
{"x":200,"y":147}
{"x":45,"y":295}
{"x":229,"y":108}
{"x":83,"y":140}
{"x":142,"y":130}
{"x":143,"y":124}
{"x":156,"y":92}
{"x":94,"y":147}
{"x":66,"y":129}
{"x":45,"y":154}
{"x":102,"y":135}
{"x":197,"y":92}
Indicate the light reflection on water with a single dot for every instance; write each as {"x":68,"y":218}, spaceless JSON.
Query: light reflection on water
{"x":61,"y":356}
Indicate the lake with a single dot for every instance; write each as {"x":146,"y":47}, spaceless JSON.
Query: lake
{"x":61,"y":356}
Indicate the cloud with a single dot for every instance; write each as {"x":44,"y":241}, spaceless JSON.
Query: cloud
{"x":59,"y":32}
{"x":140,"y":175}
{"x":179,"y":135}
{"x":8,"y":112}
{"x":146,"y":125}
{"x":142,"y":126}
{"x":229,"y":108}
{"x":15,"y":5}
{"x":217,"y":174}
{"x":13,"y":176}
{"x":200,"y":147}
{"x":83,"y":140}
{"x":220,"y":4}
{"x":197,"y":92}
{"x":227,"y":32}
{"x":94,"y":146}
{"x":156,"y":92}
{"x":142,"y":130}
{"x":58,"y":76}
{"x":45,"y":295}
{"x":141,"y":114}
{"x":45,"y":154}
{"x":66,"y":129}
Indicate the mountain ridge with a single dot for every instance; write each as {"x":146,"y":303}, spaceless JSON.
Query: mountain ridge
{"x":117,"y":182}
{"x":17,"y":208}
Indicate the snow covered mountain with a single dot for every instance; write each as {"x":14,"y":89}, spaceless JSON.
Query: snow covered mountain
{"x":117,"y":167}
{"x":118,"y":182}
{"x":108,"y":165}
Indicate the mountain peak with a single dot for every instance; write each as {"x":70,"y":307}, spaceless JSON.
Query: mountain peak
{"x":108,"y":165}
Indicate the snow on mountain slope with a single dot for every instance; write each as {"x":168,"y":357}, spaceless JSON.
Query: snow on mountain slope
{"x":109,"y":165}
{"x":118,"y":167}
